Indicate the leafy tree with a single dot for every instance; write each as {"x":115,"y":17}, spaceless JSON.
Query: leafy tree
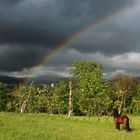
{"x":76,"y":105}
{"x":89,"y":78}
{"x":5,"y":96}
{"x":44,"y":98}
{"x":135,"y":105}
{"x":53,"y":99}
{"x":123,"y":89}
{"x":26,"y":98}
{"x":60,"y":98}
{"x":32,"y":99}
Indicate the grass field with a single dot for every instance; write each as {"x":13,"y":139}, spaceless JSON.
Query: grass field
{"x":51,"y":127}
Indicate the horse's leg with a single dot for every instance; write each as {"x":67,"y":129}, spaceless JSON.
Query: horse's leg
{"x":118,"y":126}
{"x":127,"y":125}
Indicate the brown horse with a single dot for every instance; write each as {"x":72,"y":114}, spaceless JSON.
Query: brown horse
{"x":120,"y":120}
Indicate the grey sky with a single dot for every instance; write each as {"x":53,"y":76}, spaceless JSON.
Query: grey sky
{"x":30,"y":29}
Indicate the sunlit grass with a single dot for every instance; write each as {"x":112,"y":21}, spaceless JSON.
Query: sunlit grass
{"x":51,"y":127}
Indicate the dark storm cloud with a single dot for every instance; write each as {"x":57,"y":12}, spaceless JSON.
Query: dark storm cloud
{"x":29,"y":29}
{"x":15,"y":58}
{"x":9,"y":2}
{"x":109,"y":43}
{"x":50,"y":21}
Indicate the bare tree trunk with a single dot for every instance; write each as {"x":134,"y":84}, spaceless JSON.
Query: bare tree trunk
{"x":23,"y":106}
{"x":70,"y":111}
{"x":123,"y":100}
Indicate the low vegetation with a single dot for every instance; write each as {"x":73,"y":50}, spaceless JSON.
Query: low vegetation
{"x":53,"y":127}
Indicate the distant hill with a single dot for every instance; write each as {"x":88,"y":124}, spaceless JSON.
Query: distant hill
{"x":45,"y":79}
{"x":10,"y":80}
{"x":37,"y":80}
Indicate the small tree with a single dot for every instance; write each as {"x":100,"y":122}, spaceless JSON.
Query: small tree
{"x":89,"y":78}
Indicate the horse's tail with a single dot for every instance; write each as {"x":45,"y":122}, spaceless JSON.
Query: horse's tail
{"x":127,"y":124}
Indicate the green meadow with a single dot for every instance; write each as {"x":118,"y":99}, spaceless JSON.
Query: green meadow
{"x":52,"y":127}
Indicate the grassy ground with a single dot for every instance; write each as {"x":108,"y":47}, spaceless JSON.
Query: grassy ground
{"x":50,"y":127}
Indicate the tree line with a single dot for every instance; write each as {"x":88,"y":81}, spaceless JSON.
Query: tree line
{"x":86,"y":93}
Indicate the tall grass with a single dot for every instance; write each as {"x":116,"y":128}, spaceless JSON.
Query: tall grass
{"x":51,"y":127}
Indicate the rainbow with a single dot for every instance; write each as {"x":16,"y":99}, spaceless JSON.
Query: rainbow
{"x":92,"y":27}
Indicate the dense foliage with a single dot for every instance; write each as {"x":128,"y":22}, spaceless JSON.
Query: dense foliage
{"x":91,"y":94}
{"x":93,"y":89}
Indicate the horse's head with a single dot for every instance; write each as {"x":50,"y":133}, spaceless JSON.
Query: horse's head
{"x":115,"y":112}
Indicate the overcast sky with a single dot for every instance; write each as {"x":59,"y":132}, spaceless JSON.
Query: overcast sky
{"x":30,"y":29}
